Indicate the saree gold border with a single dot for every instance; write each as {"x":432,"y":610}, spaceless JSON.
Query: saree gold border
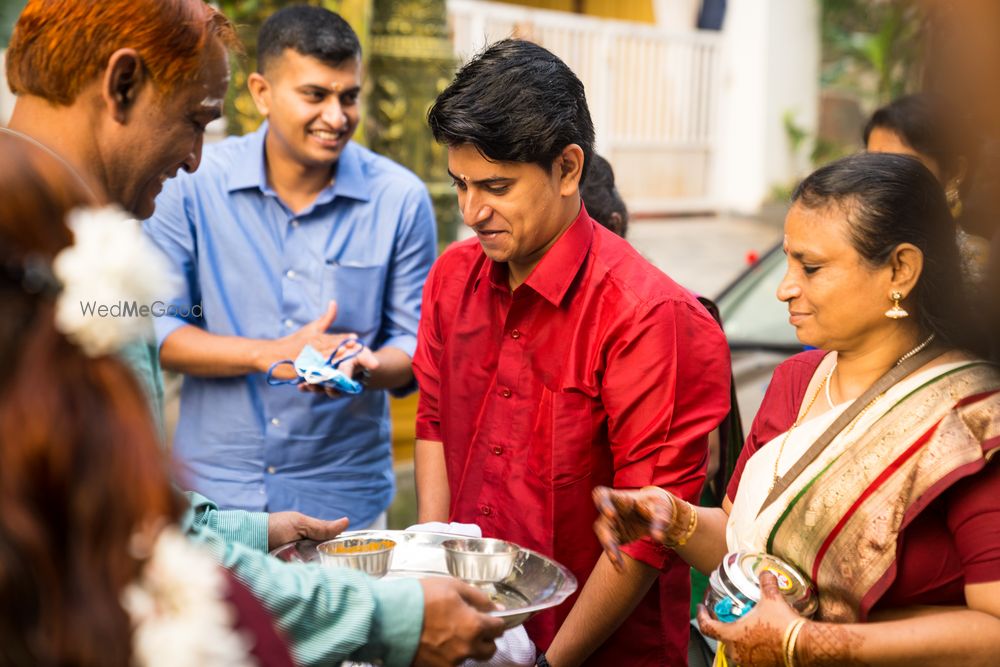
{"x":866,"y":547}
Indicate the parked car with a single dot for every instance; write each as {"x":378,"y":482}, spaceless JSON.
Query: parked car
{"x":756,"y":323}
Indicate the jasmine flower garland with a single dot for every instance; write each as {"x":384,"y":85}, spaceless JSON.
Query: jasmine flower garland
{"x":109,"y":262}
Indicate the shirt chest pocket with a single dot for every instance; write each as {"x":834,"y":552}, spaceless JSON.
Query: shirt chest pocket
{"x":560,"y":450}
{"x":359,"y":291}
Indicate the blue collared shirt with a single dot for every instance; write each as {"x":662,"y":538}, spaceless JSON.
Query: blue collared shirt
{"x":258,"y":270}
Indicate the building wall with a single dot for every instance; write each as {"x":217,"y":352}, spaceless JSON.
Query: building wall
{"x":770,"y":60}
{"x":632,"y":10}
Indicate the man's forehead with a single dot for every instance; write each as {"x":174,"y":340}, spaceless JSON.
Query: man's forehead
{"x":467,"y":163}
{"x":346,"y":74}
{"x":207,"y":93}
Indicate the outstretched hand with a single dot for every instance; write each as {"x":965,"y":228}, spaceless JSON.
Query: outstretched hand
{"x":626,"y":516}
{"x":285,"y":527}
{"x":288,"y":347}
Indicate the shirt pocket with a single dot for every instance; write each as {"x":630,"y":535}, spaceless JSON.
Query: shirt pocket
{"x":358,"y":290}
{"x":563,"y":438}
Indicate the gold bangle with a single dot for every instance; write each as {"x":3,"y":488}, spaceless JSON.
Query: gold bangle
{"x":788,"y":643}
{"x":793,"y":641}
{"x":692,"y":525}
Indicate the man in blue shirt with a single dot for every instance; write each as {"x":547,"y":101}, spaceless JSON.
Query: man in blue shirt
{"x":293,"y":235}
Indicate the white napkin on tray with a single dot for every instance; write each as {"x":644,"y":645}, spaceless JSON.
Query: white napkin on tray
{"x":514,"y":647}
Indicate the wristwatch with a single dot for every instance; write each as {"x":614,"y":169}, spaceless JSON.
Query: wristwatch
{"x":361,"y":375}
{"x":540,"y":661}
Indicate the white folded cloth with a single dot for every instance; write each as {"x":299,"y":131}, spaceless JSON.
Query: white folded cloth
{"x":514,"y":647}
{"x":453,"y":528}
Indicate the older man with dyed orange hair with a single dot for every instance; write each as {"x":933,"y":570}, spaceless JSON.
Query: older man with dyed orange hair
{"x":121,"y":91}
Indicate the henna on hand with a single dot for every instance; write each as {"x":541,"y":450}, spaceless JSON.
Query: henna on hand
{"x":757,"y":639}
{"x":828,"y":645}
{"x":757,"y":645}
{"x":631,"y":515}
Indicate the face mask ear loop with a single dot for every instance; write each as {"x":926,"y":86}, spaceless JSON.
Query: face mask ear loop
{"x":346,"y":357}
{"x":276,"y":383}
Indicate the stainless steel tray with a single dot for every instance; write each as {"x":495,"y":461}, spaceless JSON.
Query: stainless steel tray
{"x":535,"y":583}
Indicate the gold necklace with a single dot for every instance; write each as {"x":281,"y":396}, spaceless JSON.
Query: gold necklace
{"x":819,"y":390}
{"x":798,"y":420}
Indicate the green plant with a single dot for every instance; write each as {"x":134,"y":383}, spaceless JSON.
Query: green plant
{"x":870,"y":52}
{"x":871,"y":48}
{"x":9,"y":11}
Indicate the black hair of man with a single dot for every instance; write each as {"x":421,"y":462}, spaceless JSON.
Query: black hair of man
{"x":603,"y":201}
{"x":515,"y":102}
{"x":310,"y":31}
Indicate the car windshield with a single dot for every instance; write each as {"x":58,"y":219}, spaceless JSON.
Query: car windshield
{"x":751,"y":312}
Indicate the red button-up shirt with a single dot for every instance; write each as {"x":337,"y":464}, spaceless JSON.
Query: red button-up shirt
{"x":599,"y":369}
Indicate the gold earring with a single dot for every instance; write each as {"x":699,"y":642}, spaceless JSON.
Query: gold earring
{"x":954,"y":200}
{"x":896,"y":312}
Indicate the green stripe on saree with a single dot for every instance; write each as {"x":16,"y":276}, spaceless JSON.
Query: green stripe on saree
{"x":843,"y":525}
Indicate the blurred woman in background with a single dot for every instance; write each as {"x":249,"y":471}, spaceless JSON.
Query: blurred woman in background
{"x":917,"y":125}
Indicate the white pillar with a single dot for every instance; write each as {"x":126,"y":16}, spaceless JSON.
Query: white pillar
{"x":6,"y":97}
{"x":680,"y":15}
{"x":771,"y":57}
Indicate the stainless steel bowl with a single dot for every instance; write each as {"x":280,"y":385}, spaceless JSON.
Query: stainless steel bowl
{"x":536,"y":582}
{"x":371,"y":555}
{"x":479,"y":560}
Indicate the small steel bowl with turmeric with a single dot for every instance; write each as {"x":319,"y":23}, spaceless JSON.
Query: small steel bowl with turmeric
{"x":371,"y":555}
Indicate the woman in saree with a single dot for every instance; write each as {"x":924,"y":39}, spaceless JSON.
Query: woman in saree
{"x":896,"y":518}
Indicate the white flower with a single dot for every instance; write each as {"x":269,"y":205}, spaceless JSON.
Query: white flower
{"x":178,"y":611}
{"x":109,"y":264}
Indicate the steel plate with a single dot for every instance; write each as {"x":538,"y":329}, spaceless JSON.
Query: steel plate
{"x":535,"y":583}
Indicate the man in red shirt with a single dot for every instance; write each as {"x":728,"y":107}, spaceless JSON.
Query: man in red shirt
{"x":552,"y":358}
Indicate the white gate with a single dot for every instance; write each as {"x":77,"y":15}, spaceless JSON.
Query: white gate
{"x":6,"y":97}
{"x":652,"y":93}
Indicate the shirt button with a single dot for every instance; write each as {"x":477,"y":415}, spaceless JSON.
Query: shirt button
{"x":515,"y":334}
{"x":498,"y":450}
{"x":271,"y":470}
{"x":290,"y":324}
{"x":275,"y":421}
{"x":485,"y":509}
{"x":505,"y":393}
{"x":295,"y":223}
{"x":290,"y":274}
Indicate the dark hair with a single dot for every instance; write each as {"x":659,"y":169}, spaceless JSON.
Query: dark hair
{"x":891,"y":199}
{"x":920,"y":122}
{"x":310,"y":31}
{"x":80,"y":465}
{"x":601,"y":197}
{"x":515,"y":102}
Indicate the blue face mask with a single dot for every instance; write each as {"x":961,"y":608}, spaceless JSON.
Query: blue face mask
{"x":313,"y":368}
